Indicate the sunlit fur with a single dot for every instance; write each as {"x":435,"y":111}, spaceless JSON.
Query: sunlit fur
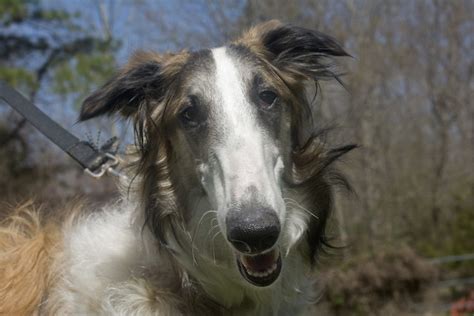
{"x":27,"y":251}
{"x":161,"y":248}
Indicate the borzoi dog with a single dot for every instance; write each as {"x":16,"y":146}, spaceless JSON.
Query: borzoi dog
{"x":230,"y":190}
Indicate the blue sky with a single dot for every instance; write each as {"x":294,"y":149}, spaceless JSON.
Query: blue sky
{"x":135,"y":23}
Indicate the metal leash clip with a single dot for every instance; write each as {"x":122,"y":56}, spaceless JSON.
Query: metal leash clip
{"x":106,"y":167}
{"x":109,"y":148}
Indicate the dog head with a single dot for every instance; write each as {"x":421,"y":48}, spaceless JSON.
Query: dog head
{"x":224,"y":138}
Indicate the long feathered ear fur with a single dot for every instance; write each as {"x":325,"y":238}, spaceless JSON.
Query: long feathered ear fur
{"x":295,"y":50}
{"x":141,"y":79}
{"x":302,"y":51}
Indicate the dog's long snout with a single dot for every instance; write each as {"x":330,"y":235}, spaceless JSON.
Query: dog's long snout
{"x":252,"y":229}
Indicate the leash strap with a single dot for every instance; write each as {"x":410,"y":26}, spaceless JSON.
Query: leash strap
{"x":95,"y":162}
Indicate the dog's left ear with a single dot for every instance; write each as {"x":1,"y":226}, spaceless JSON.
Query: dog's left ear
{"x":294,"y":50}
{"x":142,"y":79}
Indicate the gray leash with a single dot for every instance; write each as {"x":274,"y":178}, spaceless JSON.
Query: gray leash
{"x":95,"y":162}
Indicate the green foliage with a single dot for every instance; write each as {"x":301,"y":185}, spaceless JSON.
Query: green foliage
{"x":18,"y":77}
{"x":77,"y":61}
{"x":80,"y":75}
{"x":17,"y":11}
{"x":12,"y":10}
{"x":52,"y":15}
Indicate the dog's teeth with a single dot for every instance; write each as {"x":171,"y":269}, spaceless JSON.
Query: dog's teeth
{"x":262,"y":274}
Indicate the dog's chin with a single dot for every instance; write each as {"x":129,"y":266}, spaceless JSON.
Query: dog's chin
{"x":260,"y":269}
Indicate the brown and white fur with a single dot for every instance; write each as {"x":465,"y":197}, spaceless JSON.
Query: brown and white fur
{"x":229,"y":195}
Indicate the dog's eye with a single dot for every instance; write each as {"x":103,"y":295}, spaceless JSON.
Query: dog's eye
{"x":191,"y":115}
{"x":188,"y":115}
{"x":267,"y":98}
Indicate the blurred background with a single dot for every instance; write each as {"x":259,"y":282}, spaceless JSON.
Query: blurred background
{"x":407,"y":231}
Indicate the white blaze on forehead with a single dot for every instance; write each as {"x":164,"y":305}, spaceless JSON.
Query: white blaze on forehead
{"x":246,"y":156}
{"x":231,"y":89}
{"x":241,"y":136}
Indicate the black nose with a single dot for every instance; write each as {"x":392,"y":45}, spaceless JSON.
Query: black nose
{"x":252,"y":229}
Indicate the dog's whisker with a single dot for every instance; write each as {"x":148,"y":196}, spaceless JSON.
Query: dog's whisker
{"x":200,"y":222}
{"x":212,"y":239}
{"x":306,"y":211}
{"x":214,"y":246}
{"x":290,"y":200}
{"x":203,"y":216}
{"x":211,"y":230}
{"x":294,"y":204}
{"x":193,"y":246}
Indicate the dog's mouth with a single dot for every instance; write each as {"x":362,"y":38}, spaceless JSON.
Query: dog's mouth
{"x":262,"y":269}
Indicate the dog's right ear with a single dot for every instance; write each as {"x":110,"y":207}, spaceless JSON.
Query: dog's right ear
{"x":140,"y":80}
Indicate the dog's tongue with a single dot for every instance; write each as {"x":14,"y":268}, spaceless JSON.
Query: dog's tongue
{"x":260,"y":262}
